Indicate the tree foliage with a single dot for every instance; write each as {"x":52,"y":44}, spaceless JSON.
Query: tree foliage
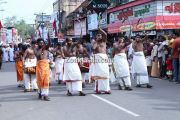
{"x":24,"y":30}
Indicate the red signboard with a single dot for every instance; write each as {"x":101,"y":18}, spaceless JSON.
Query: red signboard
{"x":125,"y":14}
{"x":150,"y":23}
{"x":173,"y":8}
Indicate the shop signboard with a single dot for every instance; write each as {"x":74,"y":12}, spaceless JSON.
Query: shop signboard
{"x":80,"y":28}
{"x":145,"y":26}
{"x":103,"y":20}
{"x":145,"y":10}
{"x":170,"y":7}
{"x":99,"y":5}
{"x":168,"y":25}
{"x":142,"y":11}
{"x":92,"y":22}
{"x":126,"y":28}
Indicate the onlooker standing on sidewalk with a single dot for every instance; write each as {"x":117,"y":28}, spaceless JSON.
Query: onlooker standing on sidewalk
{"x":169,"y":67}
{"x":161,"y":56}
{"x":175,"y":57}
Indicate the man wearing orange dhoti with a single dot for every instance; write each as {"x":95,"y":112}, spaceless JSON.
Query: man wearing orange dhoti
{"x":19,"y":65}
{"x":42,"y":69}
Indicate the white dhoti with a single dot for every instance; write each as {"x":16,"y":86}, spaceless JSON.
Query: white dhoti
{"x":148,"y":61}
{"x":11,"y":54}
{"x":121,"y":67}
{"x":100,"y":72}
{"x":139,"y":68}
{"x":30,"y":79}
{"x":85,"y":77}
{"x":59,"y":68}
{"x":72,"y":75}
{"x":5,"y":55}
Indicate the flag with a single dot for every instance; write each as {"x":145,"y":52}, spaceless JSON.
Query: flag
{"x":1,"y":25}
{"x":13,"y":32}
{"x":55,"y":28}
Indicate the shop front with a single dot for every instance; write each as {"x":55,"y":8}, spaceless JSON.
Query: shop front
{"x":152,"y":17}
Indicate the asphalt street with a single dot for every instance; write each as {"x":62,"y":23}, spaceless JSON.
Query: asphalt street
{"x":162,"y":102}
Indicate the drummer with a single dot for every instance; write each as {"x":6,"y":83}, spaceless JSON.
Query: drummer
{"x":83,"y":58}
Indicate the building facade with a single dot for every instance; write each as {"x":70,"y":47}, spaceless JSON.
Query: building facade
{"x":154,"y":16}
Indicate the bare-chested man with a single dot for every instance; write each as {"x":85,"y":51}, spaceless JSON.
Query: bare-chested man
{"x":29,"y":62}
{"x":42,"y":69}
{"x":59,"y":62}
{"x":84,"y":65}
{"x":101,"y":64}
{"x":139,"y":67}
{"x":18,"y":56}
{"x":121,"y":65}
{"x":72,"y":74}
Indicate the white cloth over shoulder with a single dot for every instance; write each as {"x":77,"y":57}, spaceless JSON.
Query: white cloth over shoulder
{"x":139,"y":68}
{"x":121,"y":65}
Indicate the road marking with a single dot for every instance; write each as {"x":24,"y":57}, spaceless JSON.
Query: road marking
{"x":116,"y":106}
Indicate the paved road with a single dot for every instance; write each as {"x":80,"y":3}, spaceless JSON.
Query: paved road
{"x":160,"y":103}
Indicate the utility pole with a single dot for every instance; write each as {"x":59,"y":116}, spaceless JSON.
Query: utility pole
{"x":59,"y":15}
{"x":43,"y":24}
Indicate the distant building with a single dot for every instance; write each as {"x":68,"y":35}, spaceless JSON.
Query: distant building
{"x":65,"y":7}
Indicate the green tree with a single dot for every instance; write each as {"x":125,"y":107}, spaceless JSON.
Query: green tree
{"x":24,"y":30}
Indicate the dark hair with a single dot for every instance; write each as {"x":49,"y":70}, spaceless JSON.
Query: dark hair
{"x":28,"y":46}
{"x":137,"y":36}
{"x":24,"y":47}
{"x":68,"y":39}
{"x":177,"y":33}
{"x":19,"y":45}
{"x":59,"y":44}
{"x":33,"y":42}
{"x":40,"y":39}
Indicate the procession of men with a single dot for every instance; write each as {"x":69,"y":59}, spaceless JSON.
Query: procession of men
{"x":70,"y":63}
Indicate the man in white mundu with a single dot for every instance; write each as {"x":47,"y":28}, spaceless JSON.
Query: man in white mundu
{"x":101,"y":64}
{"x":121,"y":65}
{"x":5,"y":53}
{"x":59,"y":62}
{"x":30,"y":61}
{"x":72,"y":74}
{"x":11,"y":53}
{"x":139,"y":67}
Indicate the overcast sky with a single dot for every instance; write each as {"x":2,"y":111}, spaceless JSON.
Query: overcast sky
{"x":25,"y":9}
